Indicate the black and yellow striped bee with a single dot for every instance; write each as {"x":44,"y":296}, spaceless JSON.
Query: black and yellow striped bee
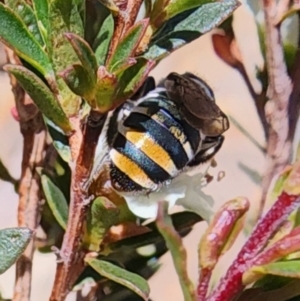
{"x":173,"y":128}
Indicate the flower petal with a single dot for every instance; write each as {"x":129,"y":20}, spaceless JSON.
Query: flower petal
{"x":184,"y":190}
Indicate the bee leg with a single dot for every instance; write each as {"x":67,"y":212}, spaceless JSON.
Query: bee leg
{"x":210,"y":146}
{"x":96,"y":119}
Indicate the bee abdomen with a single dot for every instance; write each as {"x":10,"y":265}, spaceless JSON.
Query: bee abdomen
{"x":151,"y":148}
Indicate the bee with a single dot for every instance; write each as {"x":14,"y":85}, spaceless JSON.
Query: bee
{"x":161,"y":132}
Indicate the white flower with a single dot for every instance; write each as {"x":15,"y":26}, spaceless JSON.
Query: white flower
{"x":184,"y":190}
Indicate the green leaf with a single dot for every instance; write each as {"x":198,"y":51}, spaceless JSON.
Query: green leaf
{"x":138,"y":261}
{"x":130,"y":280}
{"x":280,"y":268}
{"x":290,"y":52}
{"x":247,"y":134}
{"x":26,"y":14}
{"x":157,"y":9}
{"x":123,"y":65}
{"x":5,"y":175}
{"x":174,"y":8}
{"x":148,"y":8}
{"x":276,"y":187}
{"x":97,"y":13}
{"x":132,"y":78}
{"x":178,"y":6}
{"x":110,"y":5}
{"x":271,"y":282}
{"x":41,"y":10}
{"x":289,"y":292}
{"x":188,"y":26}
{"x":60,"y":140}
{"x":102,"y":215}
{"x":182,"y":221}
{"x":224,"y":227}
{"x":80,"y":81}
{"x":105,"y":89}
{"x":128,"y":44}
{"x":251,"y":173}
{"x":84,"y":53}
{"x":15,"y":34}
{"x":102,"y":41}
{"x":41,"y":95}
{"x":178,"y":252}
{"x":13,"y":242}
{"x":56,"y":201}
{"x":64,"y":16}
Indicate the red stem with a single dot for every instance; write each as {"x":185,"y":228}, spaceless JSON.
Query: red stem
{"x":231,"y":284}
{"x":203,"y":284}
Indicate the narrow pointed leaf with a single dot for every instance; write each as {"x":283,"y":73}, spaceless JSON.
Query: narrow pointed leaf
{"x":41,"y":11}
{"x":105,"y":89}
{"x":188,"y":26}
{"x":64,"y":16}
{"x":102,"y":215}
{"x":123,"y":65}
{"x":277,"y":188}
{"x":5,"y":175}
{"x":247,"y":134}
{"x":132,"y":281}
{"x":41,"y":95}
{"x":223,"y":48}
{"x":271,"y":282}
{"x":129,"y":43}
{"x":178,"y":6}
{"x":13,"y":242}
{"x":132,"y":78}
{"x":15,"y":34}
{"x":281,"y":268}
{"x":174,"y":8}
{"x":222,"y":231}
{"x":178,"y":252}
{"x":102,"y":41}
{"x":56,"y":201}
{"x":182,"y":221}
{"x":148,"y":7}
{"x":110,"y":5}
{"x":25,"y":12}
{"x":80,"y":81}
{"x":157,"y":8}
{"x":291,"y":185}
{"x":274,"y":289}
{"x":285,"y":246}
{"x":60,"y":140}
{"x":251,"y":173}
{"x":84,"y":53}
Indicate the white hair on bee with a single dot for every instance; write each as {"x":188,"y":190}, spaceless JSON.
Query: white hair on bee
{"x":152,"y":94}
{"x":101,"y":150}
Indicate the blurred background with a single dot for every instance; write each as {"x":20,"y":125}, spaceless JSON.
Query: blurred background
{"x":237,"y":152}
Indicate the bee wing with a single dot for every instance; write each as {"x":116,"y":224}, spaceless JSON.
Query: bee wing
{"x":192,"y":94}
{"x":197,"y":103}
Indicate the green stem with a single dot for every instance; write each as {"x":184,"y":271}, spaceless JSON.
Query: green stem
{"x":178,"y":252}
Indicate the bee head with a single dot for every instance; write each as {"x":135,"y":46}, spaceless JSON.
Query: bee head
{"x":196,"y":103}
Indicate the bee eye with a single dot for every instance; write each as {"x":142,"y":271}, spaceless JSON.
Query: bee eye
{"x":214,"y":127}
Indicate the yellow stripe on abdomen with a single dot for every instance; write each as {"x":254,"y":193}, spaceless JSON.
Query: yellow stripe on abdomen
{"x":153,"y":151}
{"x":177,"y":133}
{"x":132,"y":170}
